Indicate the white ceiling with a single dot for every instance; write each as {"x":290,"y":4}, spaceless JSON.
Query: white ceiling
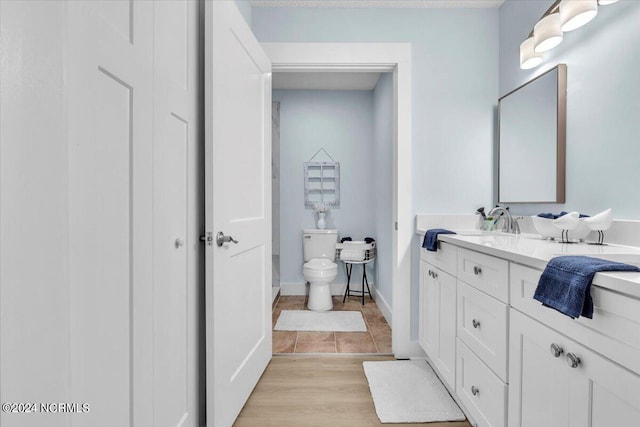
{"x":377,"y":3}
{"x":325,"y":81}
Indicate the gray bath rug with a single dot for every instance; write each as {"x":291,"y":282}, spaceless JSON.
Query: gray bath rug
{"x":408,"y":391}
{"x":327,"y":321}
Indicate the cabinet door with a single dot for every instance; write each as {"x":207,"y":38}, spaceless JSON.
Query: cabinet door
{"x":429,"y":312}
{"x":539,"y":382}
{"x":603,"y":394}
{"x":446,"y":361}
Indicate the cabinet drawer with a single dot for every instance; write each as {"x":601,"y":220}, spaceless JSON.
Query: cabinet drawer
{"x":481,"y":391}
{"x":487,"y":273}
{"x":613,"y":331}
{"x":482,"y":326}
{"x":444,"y":258}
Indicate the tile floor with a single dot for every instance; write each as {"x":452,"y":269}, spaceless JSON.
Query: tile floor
{"x":377,"y":339}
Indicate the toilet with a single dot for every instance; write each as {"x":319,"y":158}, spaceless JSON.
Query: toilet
{"x":319,"y":247}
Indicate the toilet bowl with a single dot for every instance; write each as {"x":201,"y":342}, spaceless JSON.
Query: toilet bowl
{"x":320,"y":272}
{"x":319,"y":269}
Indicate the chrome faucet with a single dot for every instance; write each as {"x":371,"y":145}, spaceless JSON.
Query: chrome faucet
{"x":510,"y":225}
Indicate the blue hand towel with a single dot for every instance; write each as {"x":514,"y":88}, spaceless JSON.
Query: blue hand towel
{"x":565,"y":284}
{"x":556,"y":216}
{"x":430,"y":241}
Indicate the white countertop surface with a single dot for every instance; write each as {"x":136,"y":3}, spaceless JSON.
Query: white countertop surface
{"x":533,"y":251}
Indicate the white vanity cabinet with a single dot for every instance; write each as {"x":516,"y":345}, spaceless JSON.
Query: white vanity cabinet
{"x":513,"y":362}
{"x":482,"y":331}
{"x":556,"y":382}
{"x":569,"y":372}
{"x":437,"y":310}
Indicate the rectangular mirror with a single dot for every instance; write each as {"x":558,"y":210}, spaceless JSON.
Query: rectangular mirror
{"x":532,"y":140}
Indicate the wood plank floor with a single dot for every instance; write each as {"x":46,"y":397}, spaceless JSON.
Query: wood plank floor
{"x":318,"y":391}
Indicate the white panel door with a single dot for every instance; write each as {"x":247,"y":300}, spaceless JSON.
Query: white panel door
{"x":238,"y":204}
{"x":110,"y":130}
{"x":178,"y":218}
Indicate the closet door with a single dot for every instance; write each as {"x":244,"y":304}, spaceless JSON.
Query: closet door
{"x":110,"y":173}
{"x":177,"y":212}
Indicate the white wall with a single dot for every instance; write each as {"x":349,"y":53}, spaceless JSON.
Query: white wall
{"x":341,"y":122}
{"x":603,"y":89}
{"x":383,"y":183}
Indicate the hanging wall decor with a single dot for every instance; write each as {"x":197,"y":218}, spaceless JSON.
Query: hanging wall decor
{"x":321,"y":182}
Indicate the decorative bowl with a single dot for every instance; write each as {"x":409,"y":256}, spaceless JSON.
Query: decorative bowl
{"x":547,"y":229}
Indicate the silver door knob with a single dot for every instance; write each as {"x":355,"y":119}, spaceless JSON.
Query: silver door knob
{"x":179,"y":242}
{"x":221,"y":239}
{"x":475,"y":323}
{"x":556,"y":350}
{"x":477,"y":270}
{"x":475,"y":390}
{"x":573,"y":360}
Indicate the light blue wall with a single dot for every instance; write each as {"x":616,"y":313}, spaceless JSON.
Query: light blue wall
{"x":245,"y":9}
{"x":603,"y":102}
{"x":383,"y":183}
{"x":454,"y":86}
{"x":341,"y":122}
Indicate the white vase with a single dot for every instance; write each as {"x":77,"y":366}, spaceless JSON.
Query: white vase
{"x":321,"y":224}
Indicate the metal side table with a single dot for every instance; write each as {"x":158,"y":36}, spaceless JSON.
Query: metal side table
{"x":356,"y":253}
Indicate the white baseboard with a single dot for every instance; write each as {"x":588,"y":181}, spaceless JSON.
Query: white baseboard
{"x":292,"y":289}
{"x":336,"y":289}
{"x":303,"y":288}
{"x":382,"y":304}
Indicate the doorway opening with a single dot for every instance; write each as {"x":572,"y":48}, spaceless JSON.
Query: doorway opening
{"x":392,"y":59}
{"x":332,"y":144}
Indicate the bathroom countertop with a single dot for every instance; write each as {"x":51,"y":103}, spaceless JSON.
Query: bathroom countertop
{"x":531,"y":250}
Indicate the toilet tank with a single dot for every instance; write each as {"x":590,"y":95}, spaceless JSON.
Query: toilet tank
{"x":319,"y":244}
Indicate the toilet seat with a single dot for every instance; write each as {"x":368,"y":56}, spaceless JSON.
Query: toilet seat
{"x":319,"y":264}
{"x":320,"y":268}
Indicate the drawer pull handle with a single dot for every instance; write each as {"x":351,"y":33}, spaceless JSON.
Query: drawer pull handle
{"x":556,"y":350}
{"x":474,"y":390}
{"x":477,"y":270}
{"x":573,"y":360}
{"x":430,"y":273}
{"x":476,"y":323}
{"x":435,"y":275}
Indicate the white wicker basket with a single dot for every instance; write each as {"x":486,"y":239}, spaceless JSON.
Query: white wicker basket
{"x":356,"y":251}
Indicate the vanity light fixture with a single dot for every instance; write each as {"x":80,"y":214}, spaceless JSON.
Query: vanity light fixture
{"x":562,"y":16}
{"x":547,"y":33}
{"x":575,"y":13}
{"x":529,"y":58}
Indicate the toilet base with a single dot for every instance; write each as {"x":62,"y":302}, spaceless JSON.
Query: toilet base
{"x":320,"y":297}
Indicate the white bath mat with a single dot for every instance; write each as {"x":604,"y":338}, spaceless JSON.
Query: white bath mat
{"x":408,"y":391}
{"x":328,"y":321}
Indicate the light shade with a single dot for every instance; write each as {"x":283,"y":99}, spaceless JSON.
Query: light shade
{"x":547,"y":33}
{"x":606,"y":2}
{"x":575,"y":13}
{"x":529,"y":58}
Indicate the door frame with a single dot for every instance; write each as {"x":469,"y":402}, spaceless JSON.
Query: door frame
{"x":375,"y":57}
